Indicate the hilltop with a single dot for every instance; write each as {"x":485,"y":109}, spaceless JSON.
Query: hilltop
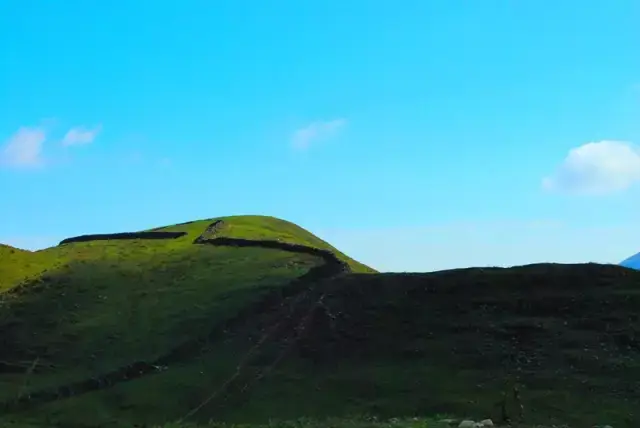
{"x":66,"y":305}
{"x":250,"y":318}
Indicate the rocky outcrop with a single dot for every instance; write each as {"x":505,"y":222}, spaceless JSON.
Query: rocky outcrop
{"x":467,"y":423}
{"x":209,"y":232}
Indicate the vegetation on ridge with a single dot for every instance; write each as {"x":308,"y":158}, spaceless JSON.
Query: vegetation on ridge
{"x":90,"y":307}
{"x":256,"y":228}
{"x":382,"y":344}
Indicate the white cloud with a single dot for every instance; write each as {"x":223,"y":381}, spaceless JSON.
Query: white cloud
{"x":80,"y":135}
{"x":24,"y":148}
{"x":597,"y":168}
{"x":304,"y":137}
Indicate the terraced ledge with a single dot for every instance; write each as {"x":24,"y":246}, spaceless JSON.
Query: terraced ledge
{"x":126,"y":235}
{"x":275,"y":302}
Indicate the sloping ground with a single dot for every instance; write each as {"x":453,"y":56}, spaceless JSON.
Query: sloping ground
{"x":99,"y":310}
{"x":362,"y":422}
{"x":19,"y":265}
{"x":332,"y":345}
{"x":15,"y":265}
{"x":453,"y":341}
{"x":265,"y":228}
{"x":7,"y":250}
{"x":409,"y":345}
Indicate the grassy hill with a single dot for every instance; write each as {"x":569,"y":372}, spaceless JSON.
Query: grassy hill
{"x":83,"y":308}
{"x":15,"y":265}
{"x":252,"y":318}
{"x":257,"y":228}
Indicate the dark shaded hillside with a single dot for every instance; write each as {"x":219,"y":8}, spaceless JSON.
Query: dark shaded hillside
{"x":417,"y":344}
{"x":531,"y":306}
{"x":100,"y":311}
{"x":252,"y":318}
{"x":552,"y":328}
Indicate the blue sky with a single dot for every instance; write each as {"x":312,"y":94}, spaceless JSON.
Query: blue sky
{"x":414,"y":135}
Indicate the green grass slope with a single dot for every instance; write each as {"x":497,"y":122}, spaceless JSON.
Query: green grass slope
{"x":77,"y":310}
{"x":361,"y":422}
{"x":15,"y":265}
{"x":454,"y":341}
{"x":412,"y":345}
{"x":391,"y":345}
{"x":265,"y":228}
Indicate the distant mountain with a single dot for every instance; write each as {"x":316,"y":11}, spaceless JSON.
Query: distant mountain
{"x":632,"y":262}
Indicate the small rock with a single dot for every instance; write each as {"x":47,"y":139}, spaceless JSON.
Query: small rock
{"x":467,"y":424}
{"x":486,"y":423}
{"x":449,"y":421}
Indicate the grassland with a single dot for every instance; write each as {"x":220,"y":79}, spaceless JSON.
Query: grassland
{"x":85,"y":308}
{"x":267,"y":228}
{"x":355,"y":422}
{"x":409,"y":345}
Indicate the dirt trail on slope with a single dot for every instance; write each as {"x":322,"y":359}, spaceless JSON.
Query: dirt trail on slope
{"x":281,"y":305}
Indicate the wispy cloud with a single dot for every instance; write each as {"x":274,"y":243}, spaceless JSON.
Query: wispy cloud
{"x":24,"y":148}
{"x":80,"y":135}
{"x":597,"y":168}
{"x":316,"y":131}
